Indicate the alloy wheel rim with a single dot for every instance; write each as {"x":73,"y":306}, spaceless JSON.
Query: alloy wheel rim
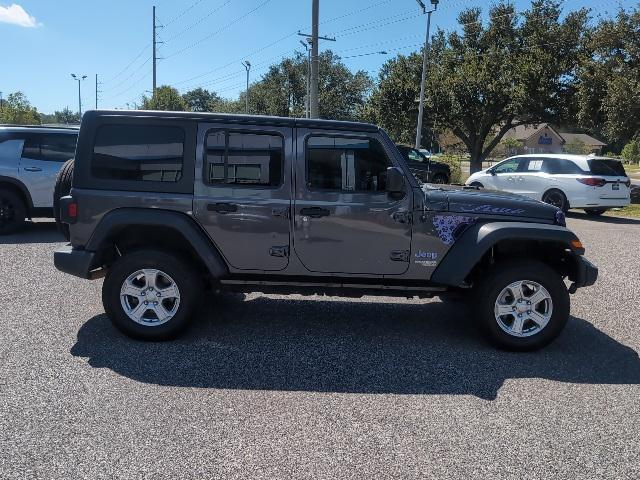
{"x":150,"y":297}
{"x":556,"y":200}
{"x":523,"y":308}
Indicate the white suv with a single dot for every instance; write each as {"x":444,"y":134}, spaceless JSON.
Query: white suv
{"x":30,"y":158}
{"x":594,"y":184}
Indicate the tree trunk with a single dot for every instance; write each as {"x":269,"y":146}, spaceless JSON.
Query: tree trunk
{"x":477,"y":156}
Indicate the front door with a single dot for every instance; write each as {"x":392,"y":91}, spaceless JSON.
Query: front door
{"x":345,"y":222}
{"x":242,"y":193}
{"x":505,"y":176}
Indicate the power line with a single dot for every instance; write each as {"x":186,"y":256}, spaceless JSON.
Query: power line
{"x":207,"y":37}
{"x":202,"y":19}
{"x":128,"y":65}
{"x":181,"y":14}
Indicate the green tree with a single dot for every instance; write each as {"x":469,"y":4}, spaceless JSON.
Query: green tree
{"x":17,"y":110}
{"x":282,"y":90}
{"x":165,"y":98}
{"x":608,"y":91}
{"x":488,"y":78}
{"x":200,"y":100}
{"x":631,"y":152}
{"x":577,"y":146}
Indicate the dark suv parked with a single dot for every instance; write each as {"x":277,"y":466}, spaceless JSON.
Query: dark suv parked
{"x":165,"y":204}
{"x":425,"y":168}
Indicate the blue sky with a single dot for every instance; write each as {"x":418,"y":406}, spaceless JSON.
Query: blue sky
{"x":205,"y":41}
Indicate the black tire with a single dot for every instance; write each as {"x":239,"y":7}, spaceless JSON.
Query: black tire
{"x":13,"y":211}
{"x":62,"y":189}
{"x":180,"y":270}
{"x":556,"y":198}
{"x":476,"y":184}
{"x":440,"y":178}
{"x":595,"y":212}
{"x":492,"y":285}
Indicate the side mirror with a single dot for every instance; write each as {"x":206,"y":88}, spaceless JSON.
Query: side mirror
{"x":395,"y":181}
{"x":492,"y":172}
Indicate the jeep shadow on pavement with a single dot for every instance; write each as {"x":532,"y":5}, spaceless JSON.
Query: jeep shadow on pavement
{"x":349,"y":347}
{"x":168,"y":206}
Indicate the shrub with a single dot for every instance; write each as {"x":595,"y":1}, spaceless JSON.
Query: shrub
{"x":454,"y":164}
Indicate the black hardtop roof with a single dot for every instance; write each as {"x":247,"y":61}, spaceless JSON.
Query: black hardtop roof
{"x":236,"y":118}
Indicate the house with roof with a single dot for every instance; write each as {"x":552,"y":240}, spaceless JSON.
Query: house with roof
{"x":543,"y":138}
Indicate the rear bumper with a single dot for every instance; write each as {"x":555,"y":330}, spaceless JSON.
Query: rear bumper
{"x":586,"y":275}
{"x":74,"y":262}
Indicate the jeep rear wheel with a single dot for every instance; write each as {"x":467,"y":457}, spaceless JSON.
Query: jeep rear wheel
{"x":13,"y":211}
{"x":151,"y":294}
{"x":522,"y":305}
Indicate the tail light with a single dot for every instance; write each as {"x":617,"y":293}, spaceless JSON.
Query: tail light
{"x":593,"y":181}
{"x":628,"y":183}
{"x":72,"y":210}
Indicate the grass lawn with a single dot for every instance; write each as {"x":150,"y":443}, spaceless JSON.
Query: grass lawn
{"x":632,"y":168}
{"x":632,"y":210}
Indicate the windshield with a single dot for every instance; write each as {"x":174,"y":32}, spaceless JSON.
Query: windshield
{"x":607,"y":167}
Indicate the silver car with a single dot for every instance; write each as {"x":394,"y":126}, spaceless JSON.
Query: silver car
{"x":30,"y":158}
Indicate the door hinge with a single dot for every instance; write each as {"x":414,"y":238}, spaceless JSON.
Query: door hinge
{"x":279,"y":251}
{"x":403,"y":217}
{"x":400,"y":256}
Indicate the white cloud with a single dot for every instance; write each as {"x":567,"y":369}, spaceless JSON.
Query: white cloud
{"x":16,"y":15}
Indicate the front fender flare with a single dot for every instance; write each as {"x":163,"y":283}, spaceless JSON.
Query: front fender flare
{"x":478,"y":239}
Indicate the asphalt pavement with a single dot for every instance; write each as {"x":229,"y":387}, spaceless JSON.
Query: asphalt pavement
{"x":286,"y":387}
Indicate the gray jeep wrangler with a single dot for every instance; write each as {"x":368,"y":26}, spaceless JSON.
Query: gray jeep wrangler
{"x":168,"y":205}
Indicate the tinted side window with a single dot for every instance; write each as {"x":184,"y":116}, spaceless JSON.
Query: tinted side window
{"x":244,"y":158}
{"x":350,"y":164}
{"x":508,"y":166}
{"x":58,"y":148}
{"x":53,"y":147}
{"x":556,"y":166}
{"x":140,"y":153}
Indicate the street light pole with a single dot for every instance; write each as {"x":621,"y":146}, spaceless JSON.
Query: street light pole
{"x":247,"y":65}
{"x":79,"y":79}
{"x":425,"y":57}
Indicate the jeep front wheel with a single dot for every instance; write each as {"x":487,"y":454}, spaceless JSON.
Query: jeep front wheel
{"x":523,"y":306}
{"x":150,"y":294}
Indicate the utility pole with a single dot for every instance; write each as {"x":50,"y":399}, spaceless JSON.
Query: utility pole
{"x":154,"y":50}
{"x":314,"y":111}
{"x":247,"y":66}
{"x":315,"y":64}
{"x":425,"y":57}
{"x":1,"y":102}
{"x":307,"y":96}
{"x":79,"y":79}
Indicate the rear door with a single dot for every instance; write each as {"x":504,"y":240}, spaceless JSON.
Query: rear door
{"x":42,"y":157}
{"x":345,"y":222}
{"x":242,"y":193}
{"x":533,"y":179}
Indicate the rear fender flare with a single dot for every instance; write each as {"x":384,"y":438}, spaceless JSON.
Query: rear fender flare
{"x":117,"y":220}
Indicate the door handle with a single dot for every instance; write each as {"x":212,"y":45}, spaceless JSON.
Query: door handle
{"x":315,"y":212}
{"x":222,"y":207}
{"x":32,"y":169}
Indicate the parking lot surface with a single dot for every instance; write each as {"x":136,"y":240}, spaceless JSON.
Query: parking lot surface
{"x":286,"y":387}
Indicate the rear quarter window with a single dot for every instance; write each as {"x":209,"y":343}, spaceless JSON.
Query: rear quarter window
{"x":143,"y":153}
{"x":606,"y":167}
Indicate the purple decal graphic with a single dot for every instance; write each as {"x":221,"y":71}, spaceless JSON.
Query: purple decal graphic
{"x":448,"y":226}
{"x":490,"y":209}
